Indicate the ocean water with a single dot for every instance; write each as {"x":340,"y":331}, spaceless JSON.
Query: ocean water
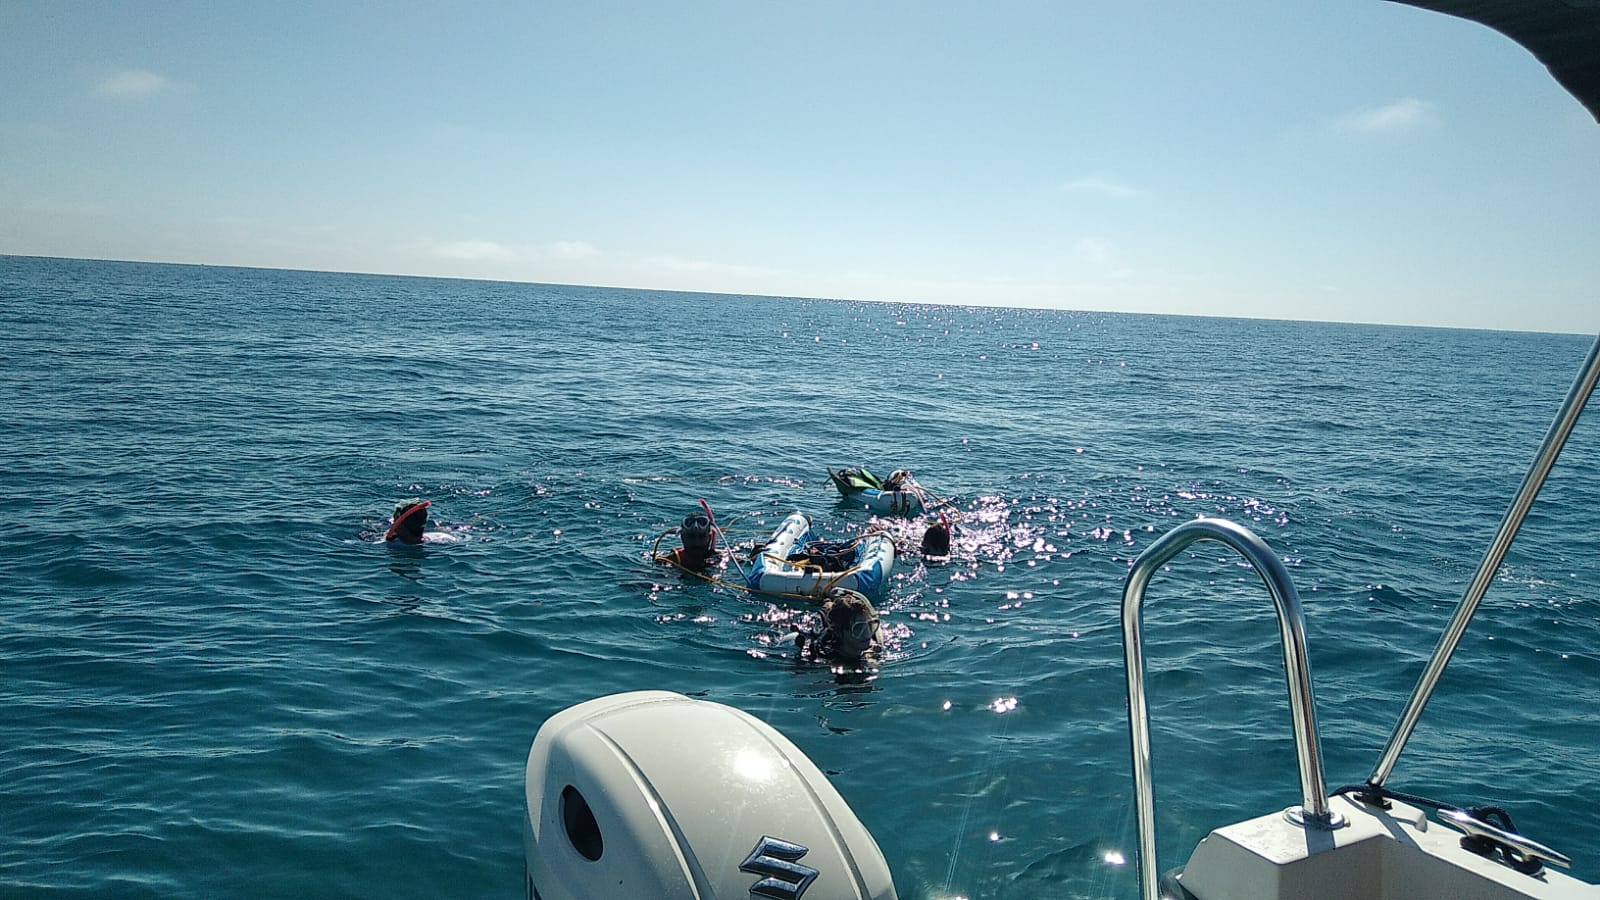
{"x":216,"y":682}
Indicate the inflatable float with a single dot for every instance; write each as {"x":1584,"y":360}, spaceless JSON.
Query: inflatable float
{"x":794,"y":562}
{"x":898,"y":495}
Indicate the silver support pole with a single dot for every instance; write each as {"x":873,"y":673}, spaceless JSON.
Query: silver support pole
{"x":1565,"y":419}
{"x":1314,"y":811}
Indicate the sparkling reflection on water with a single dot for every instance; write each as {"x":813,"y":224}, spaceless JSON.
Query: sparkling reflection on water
{"x":217,"y":684}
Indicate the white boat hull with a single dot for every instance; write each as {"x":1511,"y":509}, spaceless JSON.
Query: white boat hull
{"x":1398,"y":854}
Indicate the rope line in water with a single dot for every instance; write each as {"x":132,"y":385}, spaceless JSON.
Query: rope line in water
{"x":978,"y":776}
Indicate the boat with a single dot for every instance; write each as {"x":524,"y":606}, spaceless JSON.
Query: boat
{"x":1366,"y":840}
{"x":898,"y":495}
{"x":795,"y":563}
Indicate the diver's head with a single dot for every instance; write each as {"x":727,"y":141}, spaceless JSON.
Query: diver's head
{"x":936,"y":540}
{"x":849,"y":616}
{"x":699,"y":536}
{"x":410,"y":516}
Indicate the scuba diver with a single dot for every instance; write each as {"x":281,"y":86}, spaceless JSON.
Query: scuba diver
{"x":410,"y":517}
{"x":849,"y":632}
{"x":698,"y":534}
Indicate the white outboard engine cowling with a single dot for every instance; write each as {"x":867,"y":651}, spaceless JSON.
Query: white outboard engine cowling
{"x":651,"y":795}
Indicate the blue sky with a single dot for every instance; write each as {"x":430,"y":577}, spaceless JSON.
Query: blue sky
{"x":1355,"y":161}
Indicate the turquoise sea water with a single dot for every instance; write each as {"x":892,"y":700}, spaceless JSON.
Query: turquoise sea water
{"x":216,"y":683}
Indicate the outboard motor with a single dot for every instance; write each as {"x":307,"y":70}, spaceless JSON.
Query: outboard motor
{"x":654,"y":795}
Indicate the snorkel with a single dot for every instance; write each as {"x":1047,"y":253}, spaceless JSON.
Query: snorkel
{"x":711,"y":517}
{"x":409,"y":518}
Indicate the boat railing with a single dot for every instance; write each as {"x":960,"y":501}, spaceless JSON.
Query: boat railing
{"x":1314,"y":811}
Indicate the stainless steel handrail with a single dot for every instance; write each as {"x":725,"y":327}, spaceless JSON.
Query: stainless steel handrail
{"x":1314,"y":811}
{"x":1554,"y":440}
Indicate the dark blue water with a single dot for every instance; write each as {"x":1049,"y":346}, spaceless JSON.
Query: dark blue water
{"x":216,"y":683}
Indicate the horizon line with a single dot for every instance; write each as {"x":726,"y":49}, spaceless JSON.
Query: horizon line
{"x":933,"y":303}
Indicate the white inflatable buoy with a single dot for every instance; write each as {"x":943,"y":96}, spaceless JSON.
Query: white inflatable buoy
{"x":655,"y":796}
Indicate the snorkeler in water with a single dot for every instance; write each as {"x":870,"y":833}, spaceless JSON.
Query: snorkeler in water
{"x":698,"y":535}
{"x":849,"y":632}
{"x":936,"y":540}
{"x":410,"y":517}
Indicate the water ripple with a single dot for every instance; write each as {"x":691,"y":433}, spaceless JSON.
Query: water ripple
{"x":219,"y":683}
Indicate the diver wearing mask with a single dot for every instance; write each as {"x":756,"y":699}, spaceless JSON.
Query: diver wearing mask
{"x":698,"y":534}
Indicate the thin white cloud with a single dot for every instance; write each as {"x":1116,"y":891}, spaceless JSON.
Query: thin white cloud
{"x":132,"y":84}
{"x":1401,"y":115}
{"x":1103,"y":185}
{"x":74,"y":209}
{"x":472,"y":251}
{"x":572,"y":250}
{"x":703,"y":267}
{"x":32,"y":131}
{"x":1092,"y":250}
